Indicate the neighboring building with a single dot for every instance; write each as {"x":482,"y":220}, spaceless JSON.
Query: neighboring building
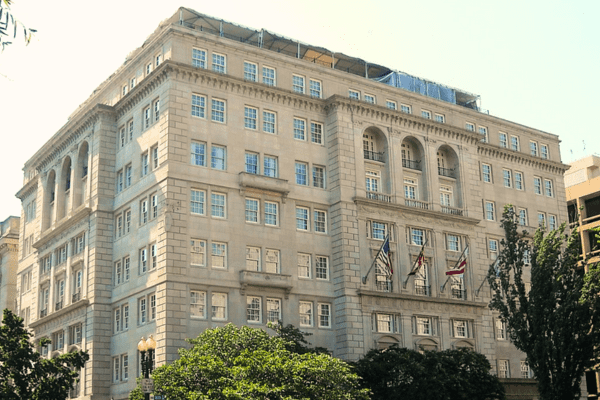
{"x":582,"y":183}
{"x":226,"y":175}
{"x":9,"y":262}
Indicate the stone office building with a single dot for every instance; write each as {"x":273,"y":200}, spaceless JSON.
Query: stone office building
{"x":224,"y":174}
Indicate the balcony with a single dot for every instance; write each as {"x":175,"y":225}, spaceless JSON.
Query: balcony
{"x":460,"y":294}
{"x":384,"y":286}
{"x":379,"y":197}
{"x":266,"y":280}
{"x":58,"y":305}
{"x":76,"y":297}
{"x":422,"y":290}
{"x":411,"y":164}
{"x":43,"y":312}
{"x":373,"y":155}
{"x":446,"y":172}
{"x":416,"y":204}
{"x":452,"y":211}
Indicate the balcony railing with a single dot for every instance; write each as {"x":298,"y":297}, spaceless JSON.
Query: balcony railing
{"x":460,"y":294}
{"x":452,"y":210}
{"x":422,"y":290}
{"x":43,"y":312}
{"x":379,"y":196}
{"x":412,"y":164}
{"x":384,"y":286}
{"x":416,"y":203}
{"x":76,"y":297}
{"x":373,"y":155}
{"x":58,"y":305}
{"x":446,"y":172}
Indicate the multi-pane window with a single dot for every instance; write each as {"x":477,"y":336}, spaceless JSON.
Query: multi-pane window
{"x":252,"y":259}
{"x":270,"y":166}
{"x":324,"y":315}
{"x":503,"y":369}
{"x":198,"y":151}
{"x":533,"y":147}
{"x":452,"y":242}
{"x":147,"y":117}
{"x":197,"y":201}
{"x":119,"y":181}
{"x":217,"y":110}
{"x":303,"y":265}
{"x":272,"y":264}
{"x":460,"y":328}
{"x":503,"y":140}
{"x":198,"y":252}
{"x":353,"y":94}
{"x":425,"y":326}
{"x":372,"y":179}
{"x":318,"y":176}
{"x":271,"y":213}
{"x":426,"y":114}
{"x":250,"y":71}
{"x":153,"y":256}
{"x":251,"y":165}
{"x":273,"y":310}
{"x":484,"y":133}
{"x":268,"y":121}
{"x":219,"y":306}
{"x":218,"y":63}
{"x":298,"y":84}
{"x":268,"y":76}
{"x":250,"y":117}
{"x":370,"y":98}
{"x":446,"y":196}
{"x":507,"y":178}
{"x":306,"y":313}
{"x":544,"y":151}
{"x":156,"y":108}
{"x":251,"y":211}
{"x":493,"y":249}
{"x":253,"y":309}
{"x":548,"y":188}
{"x":542,"y":220}
{"x":537,"y":185}
{"x":217,"y":206}
{"x":405,"y":108}
{"x":514,"y":143}
{"x":392,"y":105}
{"x":519,"y":180}
{"x":378,"y":230}
{"x":299,"y":129}
{"x":199,"y":58}
{"x":523,"y":217}
{"x":501,"y":330}
{"x":145,"y":164}
{"x":316,"y":133}
{"x":322,"y":267}
{"x":301,"y":173}
{"x":217,"y":157}
{"x":75,"y":332}
{"x":320,"y":221}
{"x":118,"y":273}
{"x":487,"y":172}
{"x":143,"y":211}
{"x":154,"y":154}
{"x":470,"y":127}
{"x":302,"y":219}
{"x":490,"y":213}
{"x":410,"y":188}
{"x":198,"y":304}
{"x":128,"y":175}
{"x":384,"y":323}
{"x":417,"y":236}
{"x":198,"y":106}
{"x":525,"y":370}
{"x":142,"y":310}
{"x":439,"y":118}
{"x":552,"y":224}
{"x":218,"y":255}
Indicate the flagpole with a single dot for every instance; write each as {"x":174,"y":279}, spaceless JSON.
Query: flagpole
{"x":416,"y":261}
{"x":444,"y":285}
{"x":495,"y":266}
{"x":364,"y":278}
{"x":480,"y":286}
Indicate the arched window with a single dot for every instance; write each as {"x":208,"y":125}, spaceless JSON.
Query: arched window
{"x":49,"y":208}
{"x":63,"y":198}
{"x":81,"y":176}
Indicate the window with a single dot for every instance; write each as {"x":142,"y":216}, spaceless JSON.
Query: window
{"x":426,"y":114}
{"x":425,"y":326}
{"x":541,"y":220}
{"x":272,"y":265}
{"x":199,"y":58}
{"x":250,"y":117}
{"x":470,"y":127}
{"x":320,"y":221}
{"x":369,"y":98}
{"x":322,"y":267}
{"x":121,"y":319}
{"x":143,"y":211}
{"x":198,"y":252}
{"x":446,"y":196}
{"x":75,"y":333}
{"x":156,"y":108}
{"x":252,"y":209}
{"x":298,"y":83}
{"x":384,"y":323}
{"x":523,"y":217}
{"x":217,"y":110}
{"x":417,"y":236}
{"x":250,"y":71}
{"x":514,"y":143}
{"x":405,"y":109}
{"x":392,"y":105}
{"x":270,"y":166}
{"x":503,"y":139}
{"x":197,"y":200}
{"x":116,"y":369}
{"x":273,"y":310}
{"x":217,"y":206}
{"x":306,"y":313}
{"x":315,"y":88}
{"x":439,"y":118}
{"x":198,"y":151}
{"x":148,"y":68}
{"x":490,"y":213}
{"x":378,"y":230}
{"x":219,"y":306}
{"x":487,"y":172}
{"x":318,"y":176}
{"x":119,"y":181}
{"x":198,"y":106}
{"x":353,"y":94}
{"x":132,"y":82}
{"x":324,"y":315}
{"x":493,"y":249}
{"x":410,"y":188}
{"x":219,"y":255}
{"x":147,"y":117}
{"x":301,"y":177}
{"x":548,"y":188}
{"x":118,"y":273}
{"x":154,"y":205}
{"x":452,"y":242}
{"x":271,"y":213}
{"x":302,"y":219}
{"x":484,"y":133}
{"x":507,"y":178}
{"x":130,"y":129}
{"x":128,"y":175}
{"x":218,"y":63}
{"x":142,"y":311}
{"x":145,"y":164}
{"x":198,"y":304}
{"x":525,"y":370}
{"x":544,"y":151}
{"x":268,"y":122}
{"x":460,"y":328}
{"x":253,"y":309}
{"x":503,"y":369}
{"x":122,"y":137}
{"x":372,"y":180}
{"x":303,"y":265}
{"x":299,"y":129}
{"x":537,"y":185}
{"x":268,"y":76}
{"x":251,"y":165}
{"x":552,"y":225}
{"x":252,"y":258}
{"x":533,"y":148}
{"x":217,"y":157}
{"x":316,"y":133}
{"x":519,"y":180}
{"x":501,"y":330}
{"x":124,"y":90}
{"x":26,"y":282}
{"x":526,"y":257}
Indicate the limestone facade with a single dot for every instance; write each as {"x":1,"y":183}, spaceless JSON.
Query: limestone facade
{"x":9,"y":250}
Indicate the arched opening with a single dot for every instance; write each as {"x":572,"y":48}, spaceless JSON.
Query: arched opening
{"x":376,"y":156}
{"x":49,"y":216}
{"x":415,"y":173}
{"x":63,"y":198}
{"x":463,"y":344}
{"x":385,"y":342}
{"x":449,"y":180}
{"x":81,"y":176}
{"x":423,"y":345}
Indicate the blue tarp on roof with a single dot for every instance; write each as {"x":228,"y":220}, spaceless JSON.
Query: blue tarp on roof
{"x":418,"y":85}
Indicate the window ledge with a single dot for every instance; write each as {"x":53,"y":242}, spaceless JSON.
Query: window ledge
{"x":56,"y":314}
{"x":262,"y":182}
{"x":264,"y":279}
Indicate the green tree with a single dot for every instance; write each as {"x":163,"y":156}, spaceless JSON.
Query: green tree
{"x":556,"y":323}
{"x":10,"y":27}
{"x":232,"y":363}
{"x":398,"y":373}
{"x":24,"y":374}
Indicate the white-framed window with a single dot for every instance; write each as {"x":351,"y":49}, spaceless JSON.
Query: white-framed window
{"x":132,"y":82}
{"x":121,"y":368}
{"x":446,"y":198}
{"x":552,"y":224}
{"x":484,"y":133}
{"x":503,"y":369}
{"x":128,"y":175}
{"x":316,"y":132}
{"x":298,"y":83}
{"x":306,"y":313}
{"x":26,"y":281}
{"x":470,"y":127}
{"x":506,"y":173}
{"x":503,"y":139}
{"x":302,"y":220}
{"x":301,"y":173}
{"x":198,"y":58}
{"x":304,"y":265}
{"x":198,"y":106}
{"x":384,"y":323}
{"x":452,"y":242}
{"x":218,"y":159}
{"x":460,"y":328}
{"x":392,"y":105}
{"x":147,"y":117}
{"x":426,"y":326}
{"x":145,"y":162}
{"x":251,"y":163}
{"x":269,"y":122}
{"x":218,"y":205}
{"x":544,"y":151}
{"x":219,"y":63}
{"x":198,"y":252}
{"x":533,"y":148}
{"x":486,"y":170}
{"x":252,"y":210}
{"x":318,"y":173}
{"x":299,"y":129}
{"x":537,"y":185}
{"x":198,"y":304}
{"x":372,"y":179}
{"x":122,"y":137}
{"x":198,"y":152}
{"x":197,"y":201}
{"x":523,"y":217}
{"x":75,"y":332}
{"x":270,"y":166}
{"x":250,"y":71}
{"x":514,"y":143}
{"x":493,"y":249}
{"x":417,"y":236}
{"x":378,"y":230}
{"x":154,"y":154}
{"x":490,"y":211}
{"x":153,"y":256}
{"x":324,"y":315}
{"x":526,"y":257}
{"x":405,"y":108}
{"x":501,"y":330}
{"x":156,"y":108}
{"x":118,"y":272}
{"x":541,"y":219}
{"x":369,"y":98}
{"x":142,"y":310}
{"x":410,"y":189}
{"x":120,"y":179}
{"x":273,"y":310}
{"x":253,"y":258}
{"x":322,"y":267}
{"x":271,"y":213}
{"x":426,"y":114}
{"x":268,"y":76}
{"x":353,"y":94}
{"x":130,"y":128}
{"x":548,"y":188}
{"x":315,"y":88}
{"x":320,"y":221}
{"x":148,"y":68}
{"x":217,"y":111}
{"x":526,"y":372}
{"x":272,"y":263}
{"x":250,"y":118}
{"x":219,"y":306}
{"x":218,"y":257}
{"x":439,"y":118}
{"x":519,"y":180}
{"x":143,"y":211}
{"x":253,"y":309}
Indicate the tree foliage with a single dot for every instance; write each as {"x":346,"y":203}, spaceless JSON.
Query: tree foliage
{"x":24,"y":374}
{"x":398,"y":373}
{"x":246,"y":363}
{"x":10,"y":26}
{"x":556,"y":323}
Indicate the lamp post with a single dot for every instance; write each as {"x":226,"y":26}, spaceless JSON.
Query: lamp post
{"x":146,"y":348}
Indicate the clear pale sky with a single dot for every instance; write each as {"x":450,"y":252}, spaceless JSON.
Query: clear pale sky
{"x":532,"y":62}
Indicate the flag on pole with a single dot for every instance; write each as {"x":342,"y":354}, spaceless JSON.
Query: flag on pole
{"x":496,"y":267}
{"x":383,"y":257}
{"x":419,"y":261}
{"x":461,"y":264}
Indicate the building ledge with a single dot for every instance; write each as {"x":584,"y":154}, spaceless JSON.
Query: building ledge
{"x":264,"y":279}
{"x":27,"y":189}
{"x":262,"y":182}
{"x":425,"y":299}
{"x":59,"y":313}
{"x":73,"y":218}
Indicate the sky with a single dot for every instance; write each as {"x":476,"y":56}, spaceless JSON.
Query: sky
{"x":532,"y":62}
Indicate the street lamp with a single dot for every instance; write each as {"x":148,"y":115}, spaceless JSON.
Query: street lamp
{"x":146,"y":348}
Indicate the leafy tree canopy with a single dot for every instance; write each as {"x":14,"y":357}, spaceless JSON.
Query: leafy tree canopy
{"x":246,"y":363}
{"x":398,"y":373}
{"x":556,"y":323}
{"x":24,"y":374}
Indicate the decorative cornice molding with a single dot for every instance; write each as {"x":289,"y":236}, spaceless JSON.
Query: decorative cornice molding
{"x":28,"y":188}
{"x":144,"y":88}
{"x":62,"y":226}
{"x":63,"y":311}
{"x":488,"y":150}
{"x":420,"y":299}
